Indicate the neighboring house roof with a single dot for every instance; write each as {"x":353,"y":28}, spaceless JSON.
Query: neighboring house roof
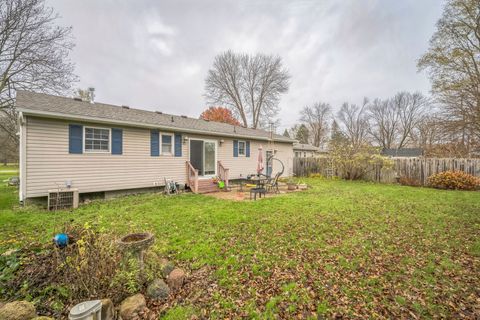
{"x":50,"y":106}
{"x":305,"y":147}
{"x":403,"y":152}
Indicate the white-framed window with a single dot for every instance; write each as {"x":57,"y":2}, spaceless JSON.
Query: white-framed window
{"x":96,"y":139}
{"x":241,"y":148}
{"x":166,"y":144}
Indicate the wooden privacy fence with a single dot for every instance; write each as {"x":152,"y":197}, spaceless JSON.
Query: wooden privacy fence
{"x":418,"y":169}
{"x":421,"y":168}
{"x":303,"y":167}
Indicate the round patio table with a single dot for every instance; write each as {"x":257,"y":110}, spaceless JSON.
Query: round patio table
{"x":259,"y":181}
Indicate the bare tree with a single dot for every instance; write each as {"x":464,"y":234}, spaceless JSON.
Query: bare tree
{"x":428,"y":132}
{"x":33,"y":53}
{"x":354,"y":122}
{"x":316,"y":119}
{"x":8,"y":146}
{"x":456,"y":120}
{"x":411,"y":108}
{"x":251,"y":86}
{"x":393,"y":121}
{"x":453,"y":65}
{"x":86,"y":94}
{"x":384,"y":122}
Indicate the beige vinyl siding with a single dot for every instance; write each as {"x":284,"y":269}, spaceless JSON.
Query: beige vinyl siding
{"x":49,"y":164}
{"x":241,"y":166}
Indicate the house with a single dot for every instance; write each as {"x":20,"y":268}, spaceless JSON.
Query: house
{"x":107,"y":149}
{"x":402,"y":152}
{"x":302,"y":150}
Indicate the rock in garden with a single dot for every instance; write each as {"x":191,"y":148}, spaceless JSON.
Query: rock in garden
{"x":132,"y":306}
{"x":18,"y":310}
{"x":9,"y":252}
{"x":167,"y":267}
{"x":176,"y":278}
{"x":108,"y":311}
{"x":158,"y":289}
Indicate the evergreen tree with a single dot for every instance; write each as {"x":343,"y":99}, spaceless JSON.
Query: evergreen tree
{"x":302,"y":134}
{"x":337,"y":137}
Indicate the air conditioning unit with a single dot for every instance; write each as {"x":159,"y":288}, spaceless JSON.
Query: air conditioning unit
{"x":62,"y":198}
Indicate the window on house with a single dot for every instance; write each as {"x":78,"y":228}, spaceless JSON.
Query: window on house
{"x":97,"y":139}
{"x":241,"y":148}
{"x":304,"y":154}
{"x":166,"y":144}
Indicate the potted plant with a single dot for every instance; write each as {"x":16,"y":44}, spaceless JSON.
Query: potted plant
{"x":291,"y":184}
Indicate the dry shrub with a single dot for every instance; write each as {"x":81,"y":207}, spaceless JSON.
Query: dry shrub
{"x":90,"y":267}
{"x":406,"y":181}
{"x":455,"y":180}
{"x":354,"y":163}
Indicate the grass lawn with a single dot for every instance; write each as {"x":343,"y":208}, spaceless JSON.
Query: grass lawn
{"x":8,"y":195}
{"x":353,"y":249}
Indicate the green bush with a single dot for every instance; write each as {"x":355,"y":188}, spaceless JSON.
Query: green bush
{"x":454,"y":180}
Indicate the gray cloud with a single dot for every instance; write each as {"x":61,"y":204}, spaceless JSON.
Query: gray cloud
{"x":155,"y":54}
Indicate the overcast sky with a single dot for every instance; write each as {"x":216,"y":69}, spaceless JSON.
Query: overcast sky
{"x":155,"y":54}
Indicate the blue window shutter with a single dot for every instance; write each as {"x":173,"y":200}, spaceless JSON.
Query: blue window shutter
{"x":154,"y":143}
{"x":178,"y":145}
{"x":235,"y":148}
{"x":75,"y":138}
{"x":117,"y":141}
{"x":247,"y":148}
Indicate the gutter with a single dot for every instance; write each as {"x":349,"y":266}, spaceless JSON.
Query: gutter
{"x":58,"y":115}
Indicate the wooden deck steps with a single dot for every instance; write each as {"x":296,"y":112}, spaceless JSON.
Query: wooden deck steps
{"x":198,"y":185}
{"x":207,"y":186}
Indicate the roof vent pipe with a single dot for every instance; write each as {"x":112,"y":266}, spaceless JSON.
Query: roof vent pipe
{"x":172,"y":119}
{"x":91,"y":91}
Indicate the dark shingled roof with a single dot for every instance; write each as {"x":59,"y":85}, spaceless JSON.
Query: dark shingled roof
{"x":46,"y":105}
{"x":403,"y":152}
{"x":305,"y":147}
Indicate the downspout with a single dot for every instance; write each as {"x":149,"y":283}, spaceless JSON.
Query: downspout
{"x":22,"y":157}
